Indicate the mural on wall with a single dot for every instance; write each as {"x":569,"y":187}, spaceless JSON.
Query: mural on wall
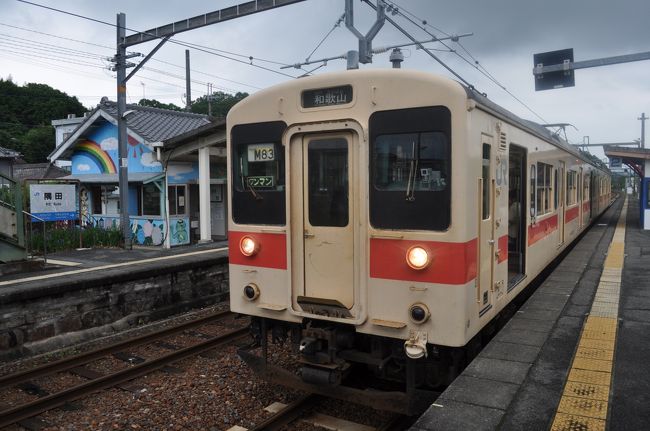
{"x":97,"y":154}
{"x":182,"y":173}
{"x":148,"y":231}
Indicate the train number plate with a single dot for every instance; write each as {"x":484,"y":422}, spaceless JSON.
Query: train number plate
{"x":261,"y":153}
{"x":260,"y":182}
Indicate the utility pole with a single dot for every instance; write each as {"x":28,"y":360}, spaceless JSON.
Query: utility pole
{"x":642,"y":118}
{"x":120,"y":64}
{"x":188,"y":86}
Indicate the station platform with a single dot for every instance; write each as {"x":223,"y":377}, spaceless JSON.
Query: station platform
{"x":576,"y":355}
{"x":82,"y":295}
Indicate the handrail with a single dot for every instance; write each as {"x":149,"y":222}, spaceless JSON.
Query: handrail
{"x":31,"y":234}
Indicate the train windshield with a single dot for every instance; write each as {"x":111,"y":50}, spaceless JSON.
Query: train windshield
{"x":258,"y":183}
{"x":411,"y":169}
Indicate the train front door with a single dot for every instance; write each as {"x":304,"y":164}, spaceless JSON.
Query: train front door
{"x":322,"y":170}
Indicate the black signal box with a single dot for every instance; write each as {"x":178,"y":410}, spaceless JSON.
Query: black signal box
{"x":558,"y":79}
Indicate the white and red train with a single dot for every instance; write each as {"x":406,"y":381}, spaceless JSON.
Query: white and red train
{"x":385,"y":217}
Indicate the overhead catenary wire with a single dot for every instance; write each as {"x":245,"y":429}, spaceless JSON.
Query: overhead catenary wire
{"x":197,"y":47}
{"x":476,"y":64}
{"x":112,"y":49}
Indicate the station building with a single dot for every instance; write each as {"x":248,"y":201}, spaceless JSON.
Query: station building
{"x":176,"y":173}
{"x":638,"y":159}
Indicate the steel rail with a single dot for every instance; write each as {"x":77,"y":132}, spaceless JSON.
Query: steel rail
{"x":15,"y":414}
{"x":288,"y":414}
{"x":75,"y":361}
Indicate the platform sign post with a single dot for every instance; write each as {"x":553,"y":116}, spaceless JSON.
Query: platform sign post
{"x":53,"y":202}
{"x":559,"y":79}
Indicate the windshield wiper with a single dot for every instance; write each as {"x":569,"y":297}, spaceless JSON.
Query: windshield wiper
{"x":410,"y":185}
{"x":245,"y":183}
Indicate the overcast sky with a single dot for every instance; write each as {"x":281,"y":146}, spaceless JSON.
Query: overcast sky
{"x":44,"y":46}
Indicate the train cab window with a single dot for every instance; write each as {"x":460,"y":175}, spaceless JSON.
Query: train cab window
{"x":258,"y":183}
{"x":410,"y":168}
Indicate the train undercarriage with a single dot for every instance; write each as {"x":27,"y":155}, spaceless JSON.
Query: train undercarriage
{"x":337,"y":362}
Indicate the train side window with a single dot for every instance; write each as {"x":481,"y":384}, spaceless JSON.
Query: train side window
{"x":571,"y":188}
{"x":533,"y":183}
{"x":556,"y":190}
{"x":485,"y":174}
{"x":543,"y":191}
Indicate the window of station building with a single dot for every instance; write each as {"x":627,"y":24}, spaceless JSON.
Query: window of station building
{"x":571,"y":184}
{"x":150,"y":200}
{"x":177,"y":199}
{"x":543,"y":189}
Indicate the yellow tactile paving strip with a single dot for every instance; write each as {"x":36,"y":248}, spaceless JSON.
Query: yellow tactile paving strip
{"x":584,"y":402}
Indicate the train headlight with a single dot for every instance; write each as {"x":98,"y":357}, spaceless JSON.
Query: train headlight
{"x":419,"y":313}
{"x":417,"y":257}
{"x":249,"y":246}
{"x":251,"y":291}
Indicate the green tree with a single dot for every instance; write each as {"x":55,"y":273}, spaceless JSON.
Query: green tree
{"x":221,"y":103}
{"x":38,"y":143}
{"x":152,"y":103}
{"x":25,"y":116}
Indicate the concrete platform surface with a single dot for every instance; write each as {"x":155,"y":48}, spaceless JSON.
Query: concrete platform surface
{"x":518,"y":379}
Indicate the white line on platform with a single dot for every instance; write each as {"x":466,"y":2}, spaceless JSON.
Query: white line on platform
{"x":113,"y":265}
{"x":63,"y":262}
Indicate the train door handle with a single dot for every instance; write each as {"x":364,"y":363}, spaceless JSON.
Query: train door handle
{"x":308,"y":235}
{"x":490,"y":241}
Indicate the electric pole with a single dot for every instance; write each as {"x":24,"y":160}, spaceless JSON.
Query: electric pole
{"x":642,"y":118}
{"x":188,"y":85}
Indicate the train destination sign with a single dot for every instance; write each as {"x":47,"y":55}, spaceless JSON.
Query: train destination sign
{"x":327,"y":96}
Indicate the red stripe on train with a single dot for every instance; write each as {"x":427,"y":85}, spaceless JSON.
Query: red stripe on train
{"x":571,"y":213}
{"x":503,"y":248}
{"x":451,"y":263}
{"x":272,"y":253}
{"x":541,"y":229}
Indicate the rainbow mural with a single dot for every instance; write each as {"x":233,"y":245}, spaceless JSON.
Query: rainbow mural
{"x":94,"y":152}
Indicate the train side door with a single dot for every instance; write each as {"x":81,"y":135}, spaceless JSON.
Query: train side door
{"x":323,"y":165}
{"x":516,"y":215}
{"x":580,"y":199}
{"x":486,"y":237}
{"x":559,"y":191}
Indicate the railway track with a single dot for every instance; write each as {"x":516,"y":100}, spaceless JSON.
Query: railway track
{"x":300,"y":406}
{"x":101,"y":382}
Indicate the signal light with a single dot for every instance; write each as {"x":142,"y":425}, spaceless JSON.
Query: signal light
{"x":419,"y":313}
{"x":417,"y":257}
{"x":251,"y":291}
{"x":248,"y":246}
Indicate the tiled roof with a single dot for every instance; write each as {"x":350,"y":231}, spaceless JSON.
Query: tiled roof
{"x":6,"y":153}
{"x":155,"y":124}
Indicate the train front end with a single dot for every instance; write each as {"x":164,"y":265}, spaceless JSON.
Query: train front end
{"x":340,"y":231}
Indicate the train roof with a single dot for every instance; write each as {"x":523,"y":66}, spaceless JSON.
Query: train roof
{"x":530,"y":126}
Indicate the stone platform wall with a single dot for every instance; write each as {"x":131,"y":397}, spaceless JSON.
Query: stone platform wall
{"x":40,"y":318}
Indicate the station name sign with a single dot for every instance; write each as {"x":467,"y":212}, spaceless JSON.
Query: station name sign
{"x":53,"y":202}
{"x":327,"y":96}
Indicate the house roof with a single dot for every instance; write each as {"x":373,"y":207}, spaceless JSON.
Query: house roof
{"x":145,"y":123}
{"x":6,"y":153}
{"x":23,"y":171}
{"x":154,"y":124}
